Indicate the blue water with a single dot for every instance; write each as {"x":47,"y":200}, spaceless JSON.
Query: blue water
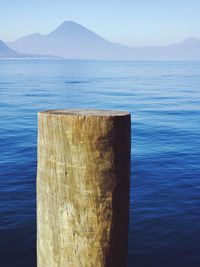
{"x":164,"y":99}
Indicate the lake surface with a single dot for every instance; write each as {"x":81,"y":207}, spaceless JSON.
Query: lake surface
{"x":164,"y":99}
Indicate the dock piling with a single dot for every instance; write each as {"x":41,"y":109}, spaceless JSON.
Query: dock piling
{"x":83,"y":187}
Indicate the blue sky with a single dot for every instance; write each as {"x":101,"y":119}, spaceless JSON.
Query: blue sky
{"x":131,"y":22}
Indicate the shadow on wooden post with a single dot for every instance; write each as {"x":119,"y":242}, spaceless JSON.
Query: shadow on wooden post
{"x":83,"y":185}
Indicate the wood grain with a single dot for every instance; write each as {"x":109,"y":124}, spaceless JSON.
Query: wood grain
{"x":83,"y":184}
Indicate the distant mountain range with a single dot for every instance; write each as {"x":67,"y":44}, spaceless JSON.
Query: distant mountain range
{"x":6,"y":52}
{"x":73,"y":41}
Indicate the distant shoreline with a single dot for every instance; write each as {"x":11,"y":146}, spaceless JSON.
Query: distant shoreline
{"x":99,"y":60}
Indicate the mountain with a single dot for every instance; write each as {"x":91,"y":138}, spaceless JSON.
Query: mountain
{"x":6,"y":52}
{"x":72,"y":40}
{"x":189,"y":49}
{"x":191,"y":41}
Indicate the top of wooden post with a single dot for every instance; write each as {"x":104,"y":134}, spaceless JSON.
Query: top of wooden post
{"x":87,"y":112}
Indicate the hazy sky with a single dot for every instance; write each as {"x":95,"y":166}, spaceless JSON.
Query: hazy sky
{"x":131,"y":22}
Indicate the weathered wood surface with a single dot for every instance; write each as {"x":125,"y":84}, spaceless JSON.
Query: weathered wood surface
{"x":83,"y":184}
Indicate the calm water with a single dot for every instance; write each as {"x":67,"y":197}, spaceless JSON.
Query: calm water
{"x":164,"y":99}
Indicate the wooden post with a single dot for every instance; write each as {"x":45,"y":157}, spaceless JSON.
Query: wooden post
{"x":83,"y":184}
